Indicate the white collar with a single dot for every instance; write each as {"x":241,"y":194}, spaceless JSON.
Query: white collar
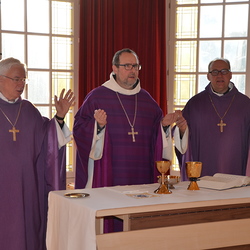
{"x":113,"y":85}
{"x":230,"y":85}
{"x":5,"y":99}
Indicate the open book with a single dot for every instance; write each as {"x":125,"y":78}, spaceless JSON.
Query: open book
{"x":223,"y":181}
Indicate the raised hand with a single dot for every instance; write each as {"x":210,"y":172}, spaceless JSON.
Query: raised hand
{"x":64,"y":103}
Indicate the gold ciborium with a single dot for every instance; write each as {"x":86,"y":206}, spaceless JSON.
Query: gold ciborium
{"x":193,"y":169}
{"x":163,"y":167}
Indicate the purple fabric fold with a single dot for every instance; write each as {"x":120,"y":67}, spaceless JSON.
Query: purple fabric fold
{"x":124,"y":162}
{"x":30,"y":168}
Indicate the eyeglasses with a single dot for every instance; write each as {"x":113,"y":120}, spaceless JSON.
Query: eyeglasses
{"x":129,"y":66}
{"x":216,"y":72}
{"x":16,"y":80}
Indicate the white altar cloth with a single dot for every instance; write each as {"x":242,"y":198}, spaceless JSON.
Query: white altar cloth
{"x":71,"y":221}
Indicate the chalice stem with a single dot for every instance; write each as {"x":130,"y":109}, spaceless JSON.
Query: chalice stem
{"x":163,"y":178}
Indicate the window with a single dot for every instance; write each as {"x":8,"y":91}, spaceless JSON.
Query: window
{"x":41,"y":33}
{"x":200,"y":31}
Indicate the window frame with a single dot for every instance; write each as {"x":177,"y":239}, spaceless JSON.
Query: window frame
{"x":171,"y":40}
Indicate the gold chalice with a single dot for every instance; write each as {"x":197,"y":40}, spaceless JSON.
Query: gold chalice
{"x":193,"y":169}
{"x":163,"y":167}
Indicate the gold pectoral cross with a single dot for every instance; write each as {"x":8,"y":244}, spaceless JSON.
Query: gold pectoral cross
{"x":221,"y":124}
{"x":133,"y":133}
{"x":14,"y":131}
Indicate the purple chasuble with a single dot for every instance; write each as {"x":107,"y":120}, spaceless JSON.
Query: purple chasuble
{"x":219,"y":152}
{"x":30,"y":168}
{"x":124,"y":162}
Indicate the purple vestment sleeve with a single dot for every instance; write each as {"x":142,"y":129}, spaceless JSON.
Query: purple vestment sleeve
{"x":158,"y":152}
{"x":51,"y":164}
{"x":55,"y":161}
{"x":103,"y":167}
{"x":83,"y":134}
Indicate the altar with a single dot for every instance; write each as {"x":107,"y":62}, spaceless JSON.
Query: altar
{"x":201,"y":219}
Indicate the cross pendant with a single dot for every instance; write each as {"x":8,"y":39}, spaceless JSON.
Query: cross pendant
{"x":133,"y":133}
{"x":221,"y":124}
{"x":14,"y":131}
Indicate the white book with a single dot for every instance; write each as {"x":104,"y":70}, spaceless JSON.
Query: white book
{"x":223,"y":181}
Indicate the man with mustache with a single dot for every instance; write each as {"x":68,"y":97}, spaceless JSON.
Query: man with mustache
{"x":120,"y":130}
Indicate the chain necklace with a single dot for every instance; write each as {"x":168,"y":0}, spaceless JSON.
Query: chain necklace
{"x":133,"y":133}
{"x":221,"y":124}
{"x":13,"y":130}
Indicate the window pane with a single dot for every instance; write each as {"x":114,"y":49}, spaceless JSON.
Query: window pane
{"x":38,"y":87}
{"x":61,"y":80}
{"x":186,"y":22}
{"x":186,"y":1}
{"x":211,"y":21}
{"x":61,"y":53}
{"x":38,"y":51}
{"x":235,"y":51}
{"x":239,"y":13}
{"x":184,"y":88}
{"x":12,"y":15}
{"x":211,"y":1}
{"x":44,"y":111}
{"x":202,"y":83}
{"x":38,"y":16}
{"x":208,"y":51}
{"x":232,"y":1}
{"x":240,"y":82}
{"x":186,"y":56}
{"x":61,"y":18}
{"x":12,"y":48}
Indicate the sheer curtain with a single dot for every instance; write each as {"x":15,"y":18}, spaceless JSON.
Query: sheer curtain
{"x":110,"y":25}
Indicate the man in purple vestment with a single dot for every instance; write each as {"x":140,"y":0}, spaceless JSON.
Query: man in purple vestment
{"x":120,"y":130}
{"x":32,"y":160}
{"x":219,"y":123}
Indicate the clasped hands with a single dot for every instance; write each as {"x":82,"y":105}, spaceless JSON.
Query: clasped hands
{"x":176,"y":118}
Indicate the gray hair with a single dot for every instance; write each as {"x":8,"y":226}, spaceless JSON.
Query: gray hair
{"x":7,"y":63}
{"x":116,"y":58}
{"x":219,"y":59}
